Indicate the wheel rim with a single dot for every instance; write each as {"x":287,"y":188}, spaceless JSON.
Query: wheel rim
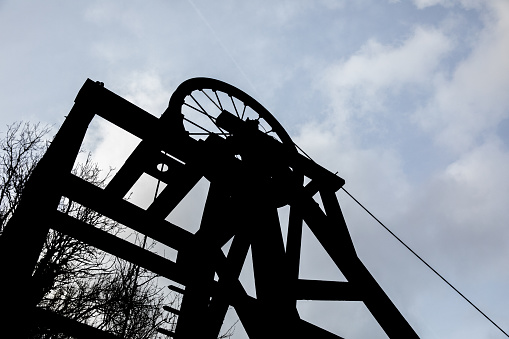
{"x":201,"y":100}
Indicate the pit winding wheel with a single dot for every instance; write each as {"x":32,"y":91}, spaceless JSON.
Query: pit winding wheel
{"x":215,"y":131}
{"x":254,"y":168}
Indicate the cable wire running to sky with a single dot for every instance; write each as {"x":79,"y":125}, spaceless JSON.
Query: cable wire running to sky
{"x":423,"y":261}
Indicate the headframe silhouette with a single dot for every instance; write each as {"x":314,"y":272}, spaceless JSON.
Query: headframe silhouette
{"x":215,"y":131}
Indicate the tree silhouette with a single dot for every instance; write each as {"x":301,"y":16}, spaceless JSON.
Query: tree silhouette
{"x":71,"y":278}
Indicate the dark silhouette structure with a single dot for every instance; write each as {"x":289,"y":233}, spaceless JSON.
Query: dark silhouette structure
{"x":215,"y":131}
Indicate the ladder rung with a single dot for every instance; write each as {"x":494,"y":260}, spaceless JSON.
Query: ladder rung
{"x":171,"y":309}
{"x":166,"y":332}
{"x":176,"y":289}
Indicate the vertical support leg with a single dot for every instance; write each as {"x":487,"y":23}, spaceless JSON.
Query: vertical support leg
{"x":200,"y":262}
{"x":293,"y":246}
{"x":272,"y":280}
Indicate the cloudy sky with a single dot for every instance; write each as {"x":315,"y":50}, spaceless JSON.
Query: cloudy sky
{"x":407,"y":100}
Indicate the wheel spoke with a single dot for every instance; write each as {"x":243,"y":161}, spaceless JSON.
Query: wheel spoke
{"x":207,"y":107}
{"x":196,"y":109}
{"x":203,"y":111}
{"x":215,"y":92}
{"x":203,"y":133}
{"x":213,"y":119}
{"x":235,"y":107}
{"x":211,"y":99}
{"x":195,"y":124}
{"x":243,"y":112}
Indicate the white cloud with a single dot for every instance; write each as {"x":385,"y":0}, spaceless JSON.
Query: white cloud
{"x":469,"y":4}
{"x":375,"y":174}
{"x":457,"y":222}
{"x":364,"y":81}
{"x":428,"y":3}
{"x":471,"y":103}
{"x":107,"y":12}
{"x":146,"y":90}
{"x":482,"y":172}
{"x":358,"y":88}
{"x":455,"y":219}
{"x":472,"y":192}
{"x":288,"y":12}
